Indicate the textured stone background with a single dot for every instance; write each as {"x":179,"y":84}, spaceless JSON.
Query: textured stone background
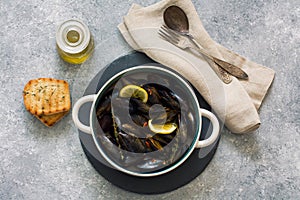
{"x":41,"y":163}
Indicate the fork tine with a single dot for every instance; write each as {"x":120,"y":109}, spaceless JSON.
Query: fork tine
{"x":171,"y":32}
{"x":167,"y":37}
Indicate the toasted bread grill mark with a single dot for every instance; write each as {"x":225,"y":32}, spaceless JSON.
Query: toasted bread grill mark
{"x":50,"y":120}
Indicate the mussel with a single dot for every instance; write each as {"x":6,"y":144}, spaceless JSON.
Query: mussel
{"x":153,"y":96}
{"x":137,"y":106}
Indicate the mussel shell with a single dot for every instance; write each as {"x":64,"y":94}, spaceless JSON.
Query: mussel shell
{"x":155,"y":144}
{"x":140,"y":120}
{"x":168,"y":100}
{"x":153,"y":96}
{"x":135,"y":130}
{"x":137,"y":106}
{"x":106,"y":122}
{"x":130,"y":143}
{"x":162,"y":139}
{"x":104,"y":107}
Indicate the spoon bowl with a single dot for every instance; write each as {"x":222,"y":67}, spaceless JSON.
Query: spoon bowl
{"x":176,"y":19}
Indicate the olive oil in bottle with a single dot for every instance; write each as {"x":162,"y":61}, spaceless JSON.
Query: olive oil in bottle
{"x":74,"y":41}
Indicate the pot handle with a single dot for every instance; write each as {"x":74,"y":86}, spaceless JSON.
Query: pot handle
{"x":78,"y":104}
{"x":216,"y":128}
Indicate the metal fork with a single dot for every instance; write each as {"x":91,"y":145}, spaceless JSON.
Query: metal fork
{"x":184,"y":42}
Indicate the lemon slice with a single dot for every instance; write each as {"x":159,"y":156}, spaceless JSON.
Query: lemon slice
{"x":162,"y":128}
{"x":135,"y":92}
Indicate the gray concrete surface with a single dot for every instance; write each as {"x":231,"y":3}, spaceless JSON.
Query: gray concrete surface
{"x":37,"y":162}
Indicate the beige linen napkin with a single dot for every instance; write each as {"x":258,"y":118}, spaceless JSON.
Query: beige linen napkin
{"x":235,"y":103}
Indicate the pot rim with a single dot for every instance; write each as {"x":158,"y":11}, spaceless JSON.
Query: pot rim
{"x":184,"y":156}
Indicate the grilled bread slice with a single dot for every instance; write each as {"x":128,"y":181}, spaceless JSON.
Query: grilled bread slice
{"x":47,"y":96}
{"x":50,"y":120}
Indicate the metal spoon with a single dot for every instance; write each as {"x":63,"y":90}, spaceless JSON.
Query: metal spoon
{"x":176,"y":19}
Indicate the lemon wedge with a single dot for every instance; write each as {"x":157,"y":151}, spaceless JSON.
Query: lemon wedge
{"x":162,"y":128}
{"x":135,"y":92}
